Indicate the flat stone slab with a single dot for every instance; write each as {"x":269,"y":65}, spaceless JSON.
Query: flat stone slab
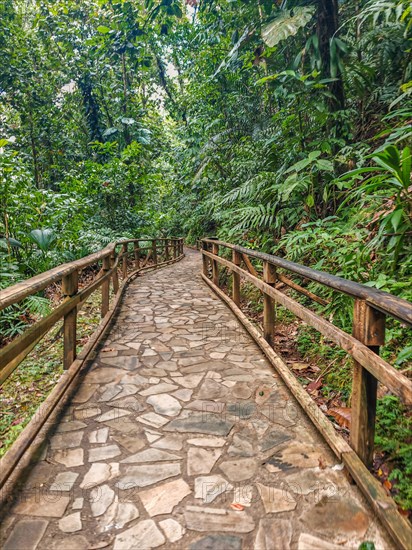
{"x":217,"y":519}
{"x":165,"y":404}
{"x":218,"y":542}
{"x":144,"y":534}
{"x":26,"y":534}
{"x":142,"y":476}
{"x":201,"y":423}
{"x":163,"y":498}
{"x":37,"y":505}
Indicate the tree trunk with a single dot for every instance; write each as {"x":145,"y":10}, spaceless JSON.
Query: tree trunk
{"x":326,"y":28}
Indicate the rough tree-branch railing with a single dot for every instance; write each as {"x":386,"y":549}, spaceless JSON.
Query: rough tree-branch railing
{"x":371,"y":307}
{"x":115,"y":256}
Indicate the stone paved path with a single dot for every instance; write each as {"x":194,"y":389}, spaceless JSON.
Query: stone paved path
{"x":182,"y":436}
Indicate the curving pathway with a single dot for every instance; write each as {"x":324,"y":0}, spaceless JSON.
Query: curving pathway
{"x":181,"y":436}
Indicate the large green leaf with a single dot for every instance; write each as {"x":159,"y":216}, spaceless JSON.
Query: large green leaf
{"x":44,"y":238}
{"x":286,"y":24}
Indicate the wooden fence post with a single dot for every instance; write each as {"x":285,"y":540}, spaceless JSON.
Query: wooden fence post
{"x":70,"y":287}
{"x":124,"y":261}
{"x":368,"y":328}
{"x":105,"y":286}
{"x":167,"y":249}
{"x":205,"y":260}
{"x":236,"y":259}
{"x":136,"y":255}
{"x":154,"y":251}
{"x":269,"y":277}
{"x":115,"y":276}
{"x":215,"y":265}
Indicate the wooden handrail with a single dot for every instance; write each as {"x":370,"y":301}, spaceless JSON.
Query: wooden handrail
{"x":380,"y":300}
{"x":17,"y":350}
{"x":371,"y":307}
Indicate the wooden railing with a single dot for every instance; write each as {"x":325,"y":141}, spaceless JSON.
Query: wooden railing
{"x":371,"y":307}
{"x":119,"y":263}
{"x":160,"y":251}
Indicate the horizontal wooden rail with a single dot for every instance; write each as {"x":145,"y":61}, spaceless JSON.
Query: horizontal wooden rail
{"x":382,"y":301}
{"x":371,"y":307}
{"x":15,"y":352}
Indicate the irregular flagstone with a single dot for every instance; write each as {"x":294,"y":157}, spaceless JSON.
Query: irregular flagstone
{"x":142,"y":476}
{"x":162,"y":499}
{"x":173,"y":530}
{"x":206,"y":406}
{"x":97,"y":474}
{"x":100,"y":499}
{"x":270,"y":530}
{"x":218,"y":542}
{"x":124,"y":362}
{"x":165,"y":404}
{"x":71,"y":523}
{"x":153,"y":419}
{"x":190,"y":381}
{"x":201,"y":423}
{"x":273,"y":439}
{"x":201,"y":461}
{"x":27,"y":534}
{"x":117,"y":515}
{"x":144,"y":534}
{"x":163,"y":387}
{"x":151,"y":455}
{"x":64,"y":481}
{"x":70,"y":426}
{"x":170,"y":442}
{"x":99,"y":436}
{"x":36,"y":505}
{"x":131,"y":443}
{"x":103,"y":453}
{"x":210,"y":487}
{"x":214,"y":519}
{"x":309,"y":542}
{"x":348,"y":518}
{"x":110,"y":392}
{"x":85,"y":413}
{"x":207,"y":441}
{"x":69,"y":457}
{"x":241,"y":447}
{"x":113,"y":414}
{"x":276,"y":500}
{"x":84,"y":393}
{"x":66,"y":440}
{"x":240,"y":469}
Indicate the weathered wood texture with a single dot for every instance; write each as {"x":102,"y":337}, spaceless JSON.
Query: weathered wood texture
{"x":383,"y":301}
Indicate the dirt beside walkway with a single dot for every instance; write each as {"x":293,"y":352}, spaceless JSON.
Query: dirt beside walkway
{"x":181,"y":435}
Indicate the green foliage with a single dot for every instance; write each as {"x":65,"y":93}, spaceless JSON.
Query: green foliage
{"x":394,"y":436}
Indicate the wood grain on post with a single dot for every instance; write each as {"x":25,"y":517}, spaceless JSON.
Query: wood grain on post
{"x":136,"y":255}
{"x":236,"y":259}
{"x":70,"y":286}
{"x":105,"y":287}
{"x":154,"y":251}
{"x":269,"y":277}
{"x":205,"y":259}
{"x":115,"y":275}
{"x":368,"y":328}
{"x":215,"y":265}
{"x":124,"y":261}
{"x":167,"y":249}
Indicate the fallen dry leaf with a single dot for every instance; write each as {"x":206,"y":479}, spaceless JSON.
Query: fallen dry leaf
{"x":322,"y":462}
{"x":342,"y":415}
{"x":108,"y":349}
{"x":237,"y":506}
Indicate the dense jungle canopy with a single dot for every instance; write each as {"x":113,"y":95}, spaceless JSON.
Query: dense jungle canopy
{"x":281,"y":125}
